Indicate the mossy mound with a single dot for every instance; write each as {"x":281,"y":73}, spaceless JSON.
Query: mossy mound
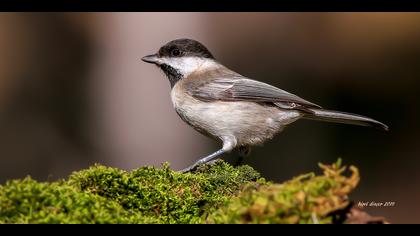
{"x":304,"y":199}
{"x":217,"y":193}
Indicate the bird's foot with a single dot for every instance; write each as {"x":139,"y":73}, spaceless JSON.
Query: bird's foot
{"x":202,"y":166}
{"x":243,"y":152}
{"x":204,"y":160}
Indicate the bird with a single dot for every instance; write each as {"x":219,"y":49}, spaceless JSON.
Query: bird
{"x":229,"y":107}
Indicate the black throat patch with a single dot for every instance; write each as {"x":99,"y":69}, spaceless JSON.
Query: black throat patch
{"x":172,"y":74}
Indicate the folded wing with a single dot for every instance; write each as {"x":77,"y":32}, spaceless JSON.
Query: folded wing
{"x":239,"y":88}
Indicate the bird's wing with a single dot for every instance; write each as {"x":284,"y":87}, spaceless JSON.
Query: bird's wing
{"x":238,"y":88}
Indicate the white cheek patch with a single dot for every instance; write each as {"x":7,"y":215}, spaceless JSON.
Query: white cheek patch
{"x":187,"y":65}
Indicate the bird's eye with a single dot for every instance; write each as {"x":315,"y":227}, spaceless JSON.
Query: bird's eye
{"x":176,"y":52}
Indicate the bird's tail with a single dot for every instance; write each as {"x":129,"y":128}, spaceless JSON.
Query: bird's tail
{"x":342,"y":117}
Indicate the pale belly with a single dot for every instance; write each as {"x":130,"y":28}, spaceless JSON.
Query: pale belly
{"x":250,"y":123}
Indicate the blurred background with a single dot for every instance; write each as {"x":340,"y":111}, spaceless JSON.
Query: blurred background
{"x":74,"y":92}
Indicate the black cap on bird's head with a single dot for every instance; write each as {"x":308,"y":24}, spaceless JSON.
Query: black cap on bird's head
{"x":184,"y":47}
{"x":180,"y":48}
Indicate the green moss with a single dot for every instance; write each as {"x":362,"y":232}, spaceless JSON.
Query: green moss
{"x":304,"y":199}
{"x":217,"y":193}
{"x":27,"y":201}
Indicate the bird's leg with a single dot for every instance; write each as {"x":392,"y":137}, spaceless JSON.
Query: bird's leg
{"x":229,"y":143}
{"x":243,"y":151}
{"x":204,"y":160}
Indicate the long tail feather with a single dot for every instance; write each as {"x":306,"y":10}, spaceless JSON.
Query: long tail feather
{"x":343,"y":117}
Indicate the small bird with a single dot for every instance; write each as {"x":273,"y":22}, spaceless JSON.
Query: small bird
{"x":232,"y":108}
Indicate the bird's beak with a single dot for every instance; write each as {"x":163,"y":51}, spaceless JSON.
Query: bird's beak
{"x":154,"y":59}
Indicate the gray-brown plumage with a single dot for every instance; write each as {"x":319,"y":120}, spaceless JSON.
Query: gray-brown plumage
{"x":227,"y":106}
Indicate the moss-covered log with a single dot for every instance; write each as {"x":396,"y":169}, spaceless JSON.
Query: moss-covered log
{"x":216,"y":193}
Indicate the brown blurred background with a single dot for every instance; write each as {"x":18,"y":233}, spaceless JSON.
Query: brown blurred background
{"x":74,"y":92}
